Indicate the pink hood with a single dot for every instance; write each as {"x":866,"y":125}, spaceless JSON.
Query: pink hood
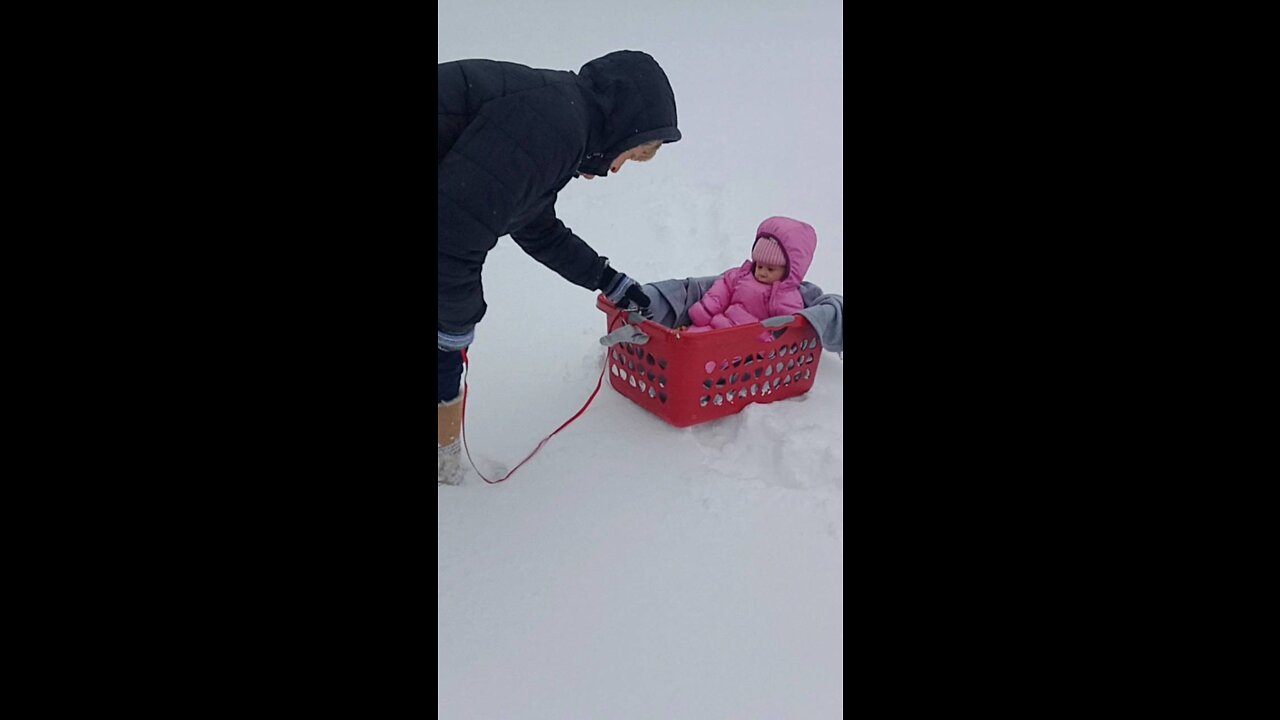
{"x":798,"y":240}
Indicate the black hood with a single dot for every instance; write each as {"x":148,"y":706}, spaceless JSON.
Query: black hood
{"x":635,"y":102}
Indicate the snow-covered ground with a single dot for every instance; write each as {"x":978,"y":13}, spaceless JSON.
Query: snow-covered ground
{"x":632,"y":569}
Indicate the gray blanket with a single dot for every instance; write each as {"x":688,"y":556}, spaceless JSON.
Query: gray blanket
{"x":670,"y":301}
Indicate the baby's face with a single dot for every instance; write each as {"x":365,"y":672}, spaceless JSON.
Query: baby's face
{"x":769,"y":274}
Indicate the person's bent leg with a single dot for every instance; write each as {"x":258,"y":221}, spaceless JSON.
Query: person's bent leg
{"x":448,"y":417}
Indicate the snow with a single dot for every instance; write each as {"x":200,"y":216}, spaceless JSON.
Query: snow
{"x":631,"y":569}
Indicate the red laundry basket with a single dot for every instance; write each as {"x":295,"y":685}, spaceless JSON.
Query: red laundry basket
{"x":689,"y":379}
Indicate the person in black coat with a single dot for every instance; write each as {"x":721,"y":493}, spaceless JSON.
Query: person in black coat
{"x":509,"y":138}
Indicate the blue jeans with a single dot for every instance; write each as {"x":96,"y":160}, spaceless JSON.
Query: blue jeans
{"x":448,"y":374}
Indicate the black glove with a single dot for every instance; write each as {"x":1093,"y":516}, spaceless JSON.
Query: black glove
{"x":638,"y":298}
{"x":616,"y":286}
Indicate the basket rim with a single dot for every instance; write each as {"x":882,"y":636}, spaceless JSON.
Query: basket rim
{"x":608,"y":307}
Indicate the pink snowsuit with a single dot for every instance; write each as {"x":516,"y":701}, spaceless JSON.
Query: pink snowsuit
{"x":737,"y":298}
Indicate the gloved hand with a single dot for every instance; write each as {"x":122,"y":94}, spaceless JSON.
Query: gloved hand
{"x":452,"y":343}
{"x":639,"y":301}
{"x":617,"y":286}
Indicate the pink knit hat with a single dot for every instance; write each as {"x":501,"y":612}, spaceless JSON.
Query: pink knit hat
{"x":768,"y":251}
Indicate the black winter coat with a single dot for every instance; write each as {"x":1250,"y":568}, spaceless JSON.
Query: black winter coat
{"x":509,"y":138}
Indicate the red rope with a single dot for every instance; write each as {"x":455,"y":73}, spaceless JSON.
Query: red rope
{"x":466,"y":364}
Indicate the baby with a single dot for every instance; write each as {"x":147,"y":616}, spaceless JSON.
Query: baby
{"x":765,"y":286}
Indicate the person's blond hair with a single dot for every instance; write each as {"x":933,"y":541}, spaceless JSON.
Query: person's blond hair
{"x":648,"y":150}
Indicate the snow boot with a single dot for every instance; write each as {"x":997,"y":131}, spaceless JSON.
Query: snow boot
{"x":449,"y":442}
